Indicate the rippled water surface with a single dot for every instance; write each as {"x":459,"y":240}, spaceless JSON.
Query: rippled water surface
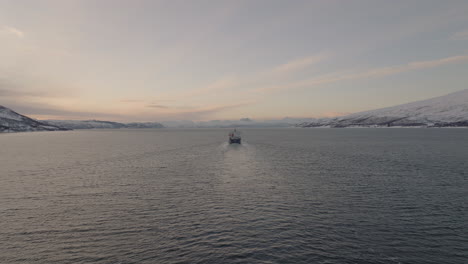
{"x":186,"y":196}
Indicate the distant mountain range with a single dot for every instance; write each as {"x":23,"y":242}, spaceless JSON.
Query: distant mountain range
{"x":445,"y":111}
{"x":243,"y":122}
{"x":96,"y":124}
{"x":10,"y":121}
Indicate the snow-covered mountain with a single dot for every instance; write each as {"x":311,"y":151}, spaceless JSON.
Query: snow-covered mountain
{"x":88,"y":124}
{"x":445,"y":111}
{"x":10,"y":121}
{"x":97,"y":124}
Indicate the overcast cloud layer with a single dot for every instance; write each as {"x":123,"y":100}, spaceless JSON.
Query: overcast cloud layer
{"x":201,"y":60}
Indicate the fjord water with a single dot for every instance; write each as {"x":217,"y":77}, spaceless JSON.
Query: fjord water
{"x":186,"y":196}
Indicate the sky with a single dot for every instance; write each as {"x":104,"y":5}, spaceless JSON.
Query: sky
{"x":149,"y":60}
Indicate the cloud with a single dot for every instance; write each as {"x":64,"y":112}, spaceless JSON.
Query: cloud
{"x":10,"y":93}
{"x":157,"y":106}
{"x":12,"y":31}
{"x":199,"y":113}
{"x":460,"y":35}
{"x":370,"y":73}
{"x":39,"y":109}
{"x":30,"y":86}
{"x":299,"y":64}
{"x":381,"y":72}
{"x":214,"y":88}
{"x":12,"y":88}
{"x":221,"y":84}
{"x":131,"y":101}
{"x":230,"y":81}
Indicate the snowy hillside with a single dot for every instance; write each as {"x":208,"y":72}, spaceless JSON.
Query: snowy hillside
{"x":88,"y":124}
{"x":10,"y":121}
{"x":443,"y":111}
{"x":96,"y":124}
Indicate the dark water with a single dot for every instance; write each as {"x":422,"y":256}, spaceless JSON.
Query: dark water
{"x":185,"y":196}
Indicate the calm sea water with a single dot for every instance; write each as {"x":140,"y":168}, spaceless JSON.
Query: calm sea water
{"x":186,"y":196}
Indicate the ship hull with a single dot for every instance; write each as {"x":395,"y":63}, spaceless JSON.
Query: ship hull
{"x":234,"y":141}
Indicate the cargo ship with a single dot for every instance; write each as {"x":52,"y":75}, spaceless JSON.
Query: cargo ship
{"x":234,"y":137}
